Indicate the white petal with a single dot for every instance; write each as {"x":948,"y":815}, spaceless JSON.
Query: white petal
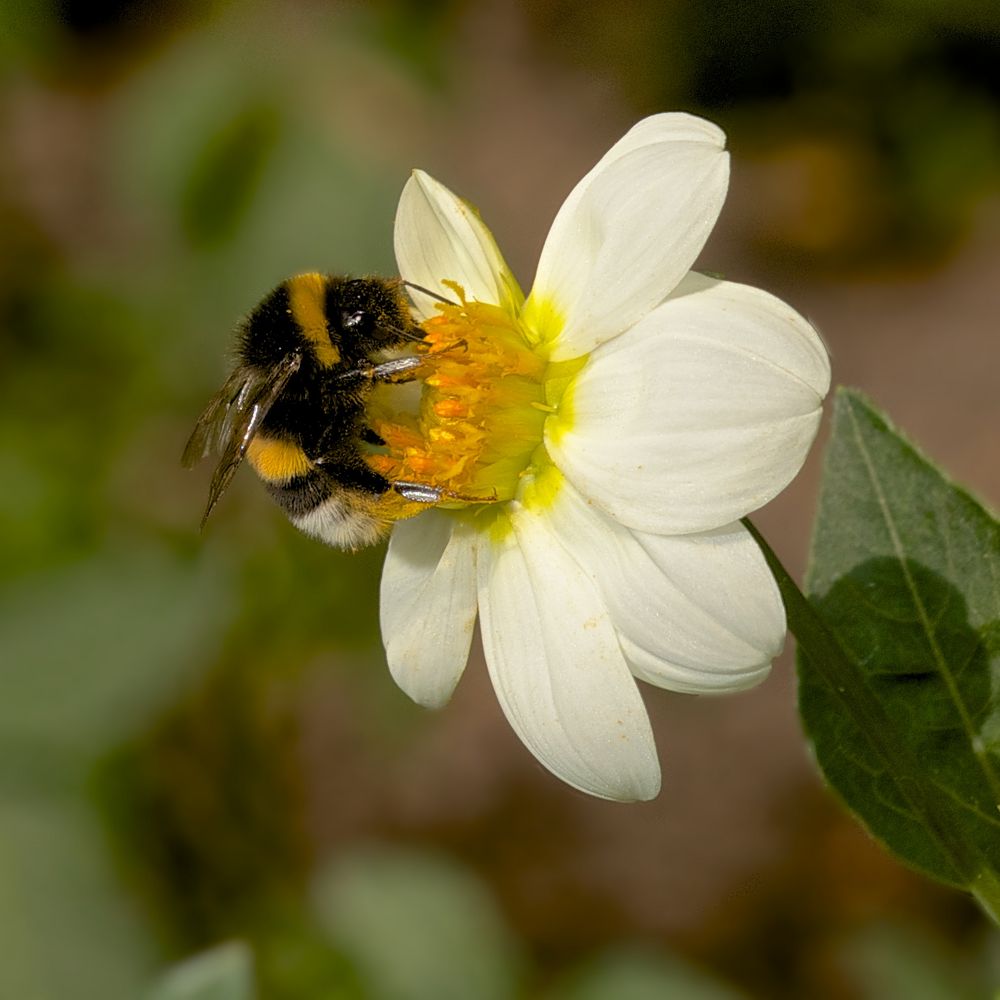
{"x":629,"y":231}
{"x":439,"y":237}
{"x":697,"y":613}
{"x":698,"y":415}
{"x":556,"y":665}
{"x":428,"y":605}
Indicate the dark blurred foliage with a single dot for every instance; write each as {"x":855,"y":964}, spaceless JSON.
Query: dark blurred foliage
{"x":98,"y":20}
{"x":226,"y":175}
{"x":200,"y":740}
{"x":889,"y":109}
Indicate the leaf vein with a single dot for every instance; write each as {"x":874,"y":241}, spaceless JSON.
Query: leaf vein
{"x":993,"y":779}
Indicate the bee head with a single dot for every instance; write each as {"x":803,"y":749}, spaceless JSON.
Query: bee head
{"x":367,"y":315}
{"x":332,"y":322}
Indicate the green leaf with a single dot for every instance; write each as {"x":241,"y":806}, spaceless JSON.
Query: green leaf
{"x":418,"y":927}
{"x":88,"y":654}
{"x":227,"y":174}
{"x":887,"y":960}
{"x":224,"y":973}
{"x":906,"y":573}
{"x":67,"y":928}
{"x":633,"y":974}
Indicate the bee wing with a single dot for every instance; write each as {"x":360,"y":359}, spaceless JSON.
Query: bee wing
{"x":207,"y":436}
{"x":233,"y":418}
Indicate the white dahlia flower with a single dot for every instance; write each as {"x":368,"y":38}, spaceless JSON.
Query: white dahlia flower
{"x":600,"y":440}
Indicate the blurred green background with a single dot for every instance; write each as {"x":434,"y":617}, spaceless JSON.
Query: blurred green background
{"x":199,"y":741}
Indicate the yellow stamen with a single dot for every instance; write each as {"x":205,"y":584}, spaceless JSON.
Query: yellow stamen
{"x":487,"y":393}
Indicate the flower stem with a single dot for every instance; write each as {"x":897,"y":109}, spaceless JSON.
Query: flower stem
{"x":826,"y":656}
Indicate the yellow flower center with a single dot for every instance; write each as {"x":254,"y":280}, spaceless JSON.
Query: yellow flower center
{"x":487,"y":393}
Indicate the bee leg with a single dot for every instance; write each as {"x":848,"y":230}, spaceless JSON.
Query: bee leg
{"x":406,"y":369}
{"x":396,"y":370}
{"x":424,"y":493}
{"x":418,"y":492}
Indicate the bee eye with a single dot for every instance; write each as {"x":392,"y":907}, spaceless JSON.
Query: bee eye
{"x":356,"y":321}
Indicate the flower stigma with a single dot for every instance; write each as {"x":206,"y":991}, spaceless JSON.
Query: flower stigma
{"x":487,"y":392}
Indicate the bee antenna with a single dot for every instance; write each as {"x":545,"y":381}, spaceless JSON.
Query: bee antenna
{"x":417,"y":338}
{"x":406,"y":335}
{"x":427,"y":291}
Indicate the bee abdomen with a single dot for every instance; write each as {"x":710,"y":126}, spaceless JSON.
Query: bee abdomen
{"x":299,"y":496}
{"x":278,"y":461}
{"x":343,"y":521}
{"x":341,"y":514}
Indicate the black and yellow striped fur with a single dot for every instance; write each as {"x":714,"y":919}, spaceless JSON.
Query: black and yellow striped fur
{"x":308,"y":357}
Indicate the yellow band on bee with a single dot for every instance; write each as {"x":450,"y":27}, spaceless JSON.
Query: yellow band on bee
{"x":307,"y":298}
{"x":277,"y":461}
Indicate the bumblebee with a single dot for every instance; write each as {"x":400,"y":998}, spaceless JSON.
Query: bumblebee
{"x":309,"y":356}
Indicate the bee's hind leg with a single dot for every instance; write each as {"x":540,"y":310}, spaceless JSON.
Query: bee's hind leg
{"x":425,"y":493}
{"x":419,"y":492}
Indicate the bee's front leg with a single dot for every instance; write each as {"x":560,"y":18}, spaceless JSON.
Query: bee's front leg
{"x":396,"y":370}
